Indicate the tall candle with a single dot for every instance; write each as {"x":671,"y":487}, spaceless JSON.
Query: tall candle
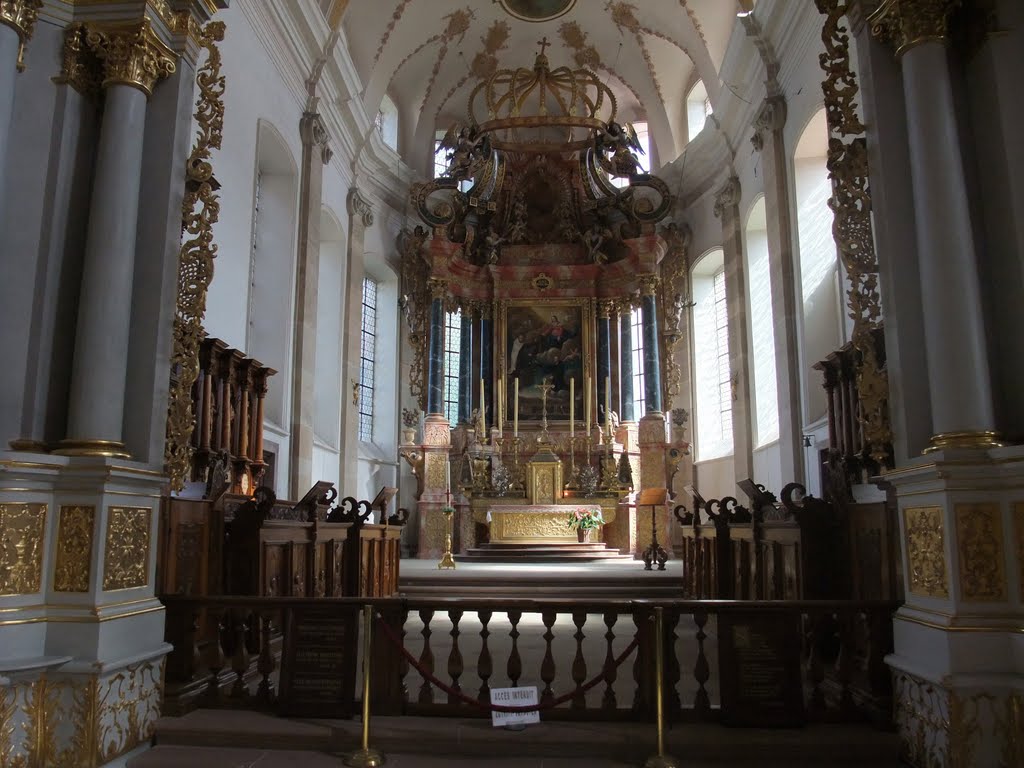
{"x":515,"y":415}
{"x":586,"y":405}
{"x":501,"y":406}
{"x":572,"y":407}
{"x":448,"y":478}
{"x":483,"y":408}
{"x":608,"y":403}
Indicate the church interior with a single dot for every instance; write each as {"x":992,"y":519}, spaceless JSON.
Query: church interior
{"x":651,"y":366}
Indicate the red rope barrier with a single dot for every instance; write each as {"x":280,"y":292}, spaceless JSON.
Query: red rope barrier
{"x":397,"y":642}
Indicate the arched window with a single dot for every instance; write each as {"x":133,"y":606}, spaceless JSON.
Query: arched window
{"x":367,"y":359}
{"x":762,"y":331}
{"x":272,"y":262}
{"x":452,"y":358}
{"x":698,"y":109}
{"x":713,"y":380}
{"x":636,"y":330}
{"x":818,"y":260}
{"x":387,"y":122}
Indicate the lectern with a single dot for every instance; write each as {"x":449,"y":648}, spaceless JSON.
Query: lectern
{"x":655,"y":553}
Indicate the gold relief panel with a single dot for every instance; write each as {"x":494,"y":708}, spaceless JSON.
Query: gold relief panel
{"x":532,"y":526}
{"x":979,"y":543}
{"x":74,"y":549}
{"x":926,"y":553}
{"x":437,"y":471}
{"x":126,"y":564}
{"x":1018,"y":525}
{"x":21,"y":548}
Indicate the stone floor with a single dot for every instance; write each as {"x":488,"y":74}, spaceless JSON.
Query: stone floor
{"x":222,"y":739}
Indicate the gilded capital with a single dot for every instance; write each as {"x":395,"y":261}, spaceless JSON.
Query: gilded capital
{"x":648,"y":284}
{"x":903,"y":24}
{"x":605,"y":308}
{"x":438,"y":287}
{"x":131,"y":54}
{"x":20,"y":15}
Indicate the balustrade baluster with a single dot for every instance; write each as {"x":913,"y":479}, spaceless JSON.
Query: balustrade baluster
{"x":240,"y":653}
{"x":265,"y":664}
{"x":845,"y":663}
{"x":426,"y":695}
{"x":639,"y":617}
{"x":547,"y":666}
{"x":215,"y":658}
{"x":515,"y":663}
{"x":815,"y":668}
{"x":403,"y":663}
{"x":579,"y":662}
{"x":701,"y":670}
{"x":672,"y":674}
{"x":608,"y":701}
{"x":455,"y":666}
{"x":484,"y":666}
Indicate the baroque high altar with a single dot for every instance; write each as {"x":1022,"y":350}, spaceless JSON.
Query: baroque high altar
{"x":546,"y":234}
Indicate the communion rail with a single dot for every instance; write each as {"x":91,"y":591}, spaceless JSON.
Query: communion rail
{"x":742,"y":663}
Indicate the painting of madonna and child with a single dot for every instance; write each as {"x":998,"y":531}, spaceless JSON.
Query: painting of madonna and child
{"x":545,"y":342}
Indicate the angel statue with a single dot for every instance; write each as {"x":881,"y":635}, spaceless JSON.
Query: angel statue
{"x":622,"y":144}
{"x":596,"y":236}
{"x":465,"y":146}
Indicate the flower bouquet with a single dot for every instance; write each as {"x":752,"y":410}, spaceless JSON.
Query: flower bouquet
{"x":584,"y":520}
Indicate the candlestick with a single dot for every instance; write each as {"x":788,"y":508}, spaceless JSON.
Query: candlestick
{"x":572,"y":408}
{"x":448,"y":479}
{"x":515,"y":423}
{"x":483,"y":412}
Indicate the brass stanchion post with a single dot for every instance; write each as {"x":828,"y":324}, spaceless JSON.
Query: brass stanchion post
{"x":660,"y":760}
{"x":447,"y":561}
{"x":366,"y":757}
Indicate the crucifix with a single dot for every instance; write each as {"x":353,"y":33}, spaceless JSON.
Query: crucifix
{"x":545,"y":387}
{"x":543,"y":43}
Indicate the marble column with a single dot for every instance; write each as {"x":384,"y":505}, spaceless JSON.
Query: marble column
{"x":652,"y":357}
{"x":435,"y":361}
{"x":360,"y":219}
{"x":487,"y":365}
{"x":727,"y":209}
{"x":652,"y":436}
{"x":768,"y":139}
{"x":17,"y":22}
{"x":626,"y":367}
{"x":957,"y":668}
{"x":133,"y":59}
{"x":961,"y":389}
{"x":316,"y":153}
{"x":604,"y":354}
{"x":466,"y":369}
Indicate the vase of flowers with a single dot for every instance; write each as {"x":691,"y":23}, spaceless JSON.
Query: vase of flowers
{"x":585,"y":520}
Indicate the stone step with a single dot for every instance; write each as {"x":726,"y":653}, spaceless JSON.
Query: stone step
{"x":226,"y":739}
{"x":560,"y":552}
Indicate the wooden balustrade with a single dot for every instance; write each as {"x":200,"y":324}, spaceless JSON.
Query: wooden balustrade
{"x":828,"y":657}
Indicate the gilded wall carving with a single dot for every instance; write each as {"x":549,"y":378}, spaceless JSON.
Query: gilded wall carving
{"x":126,"y":564}
{"x":437,"y":471}
{"x":1018,"y":525}
{"x":22,"y":528}
{"x":926,"y":553}
{"x":541,"y":525}
{"x":979,"y":543}
{"x":79,"y":721}
{"x":74,"y":548}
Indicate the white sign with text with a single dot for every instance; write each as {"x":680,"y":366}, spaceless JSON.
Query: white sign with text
{"x":514,"y":697}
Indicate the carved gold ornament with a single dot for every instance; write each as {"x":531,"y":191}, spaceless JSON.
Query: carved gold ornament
{"x":905,"y":23}
{"x":851,"y":203}
{"x":74,"y":549}
{"x":926,"y":552}
{"x":1018,"y":526}
{"x":80,"y":68}
{"x":105,"y":716}
{"x":979,"y":543}
{"x":126,"y":564}
{"x":21,"y":548}
{"x":20,"y":15}
{"x":415,"y":306}
{"x":437,"y":471}
{"x":132,"y":54}
{"x":200,"y":211}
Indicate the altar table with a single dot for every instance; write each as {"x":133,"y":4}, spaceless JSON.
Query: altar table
{"x":535,"y":523}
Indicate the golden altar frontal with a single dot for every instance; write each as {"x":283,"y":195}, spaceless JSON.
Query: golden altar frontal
{"x":534,"y":523}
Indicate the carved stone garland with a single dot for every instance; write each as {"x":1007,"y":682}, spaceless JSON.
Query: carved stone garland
{"x":673,"y":294}
{"x":851,"y":204}
{"x":200,"y":211}
{"x":416,"y":308}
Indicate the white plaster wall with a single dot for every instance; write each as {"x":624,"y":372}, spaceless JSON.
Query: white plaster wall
{"x":768,"y":467}
{"x":715,"y":478}
{"x":326,"y":465}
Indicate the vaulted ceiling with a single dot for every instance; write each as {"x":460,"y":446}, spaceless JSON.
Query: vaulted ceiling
{"x":427,"y":55}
